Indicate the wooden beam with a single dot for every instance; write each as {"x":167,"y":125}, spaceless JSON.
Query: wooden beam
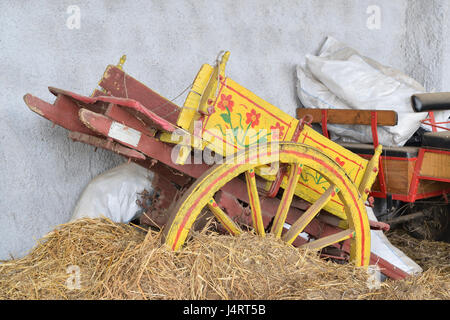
{"x":349,"y":116}
{"x":329,"y":240}
{"x":119,"y":84}
{"x":306,"y":218}
{"x":223,"y":218}
{"x":255,"y":205}
{"x":288,"y":193}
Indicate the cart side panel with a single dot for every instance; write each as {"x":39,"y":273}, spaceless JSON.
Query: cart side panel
{"x":311,"y":185}
{"x":240,"y":119}
{"x":237,"y":110}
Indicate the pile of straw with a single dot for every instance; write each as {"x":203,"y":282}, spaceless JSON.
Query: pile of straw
{"x":118,"y":261}
{"x":428,"y":254}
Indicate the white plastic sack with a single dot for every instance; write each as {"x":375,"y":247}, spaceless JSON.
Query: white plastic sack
{"x":382,"y":247}
{"x":113,"y":194}
{"x":340,"y":78}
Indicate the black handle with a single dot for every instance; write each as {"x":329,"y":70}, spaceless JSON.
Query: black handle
{"x":425,"y":102}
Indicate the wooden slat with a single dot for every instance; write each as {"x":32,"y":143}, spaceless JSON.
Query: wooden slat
{"x":306,"y":218}
{"x":280,"y":216}
{"x":64,"y":113}
{"x":329,"y":240}
{"x":121,"y":115}
{"x":223,"y":218}
{"x":349,"y":116}
{"x":370,"y":174}
{"x":147,"y":145}
{"x":120,"y":84}
{"x":254,"y":202}
{"x":106,"y":144}
{"x":436,"y":164}
{"x":398,"y":174}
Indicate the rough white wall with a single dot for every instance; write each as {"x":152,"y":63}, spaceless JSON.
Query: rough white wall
{"x":43,"y":173}
{"x":424,"y":41}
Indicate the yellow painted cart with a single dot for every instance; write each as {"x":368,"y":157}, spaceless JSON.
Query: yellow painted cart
{"x":227,"y":150}
{"x":230,"y":120}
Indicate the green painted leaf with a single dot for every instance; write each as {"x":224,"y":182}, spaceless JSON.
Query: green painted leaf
{"x":226,"y":117}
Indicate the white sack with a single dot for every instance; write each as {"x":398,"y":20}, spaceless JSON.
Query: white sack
{"x":382,"y":247}
{"x":113,"y":194}
{"x":340,"y":78}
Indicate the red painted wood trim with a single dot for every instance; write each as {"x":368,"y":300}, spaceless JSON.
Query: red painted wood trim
{"x":324,"y":123}
{"x":257,"y":105}
{"x":120,"y":84}
{"x":326,"y":147}
{"x":134,"y":105}
{"x":64,"y":113}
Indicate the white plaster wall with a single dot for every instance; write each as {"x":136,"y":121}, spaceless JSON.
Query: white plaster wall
{"x":43,"y":173}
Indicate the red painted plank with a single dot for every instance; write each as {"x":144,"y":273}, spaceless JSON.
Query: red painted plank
{"x":64,"y":112}
{"x":121,"y":115}
{"x":120,"y":84}
{"x":133,"y":106}
{"x":106,"y":144}
{"x":149,"y":146}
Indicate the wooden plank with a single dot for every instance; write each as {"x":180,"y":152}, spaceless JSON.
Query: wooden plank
{"x":285,"y":203}
{"x":255,"y":205}
{"x":329,"y":240}
{"x":64,"y":112}
{"x":99,"y":105}
{"x":349,"y":116}
{"x":143,"y":143}
{"x":119,"y":84}
{"x":223,"y":218}
{"x":370,"y":174}
{"x":119,"y":114}
{"x":398,"y":175}
{"x":428,"y":186}
{"x":306,"y":218}
{"x":106,"y":144}
{"x":436,"y":164}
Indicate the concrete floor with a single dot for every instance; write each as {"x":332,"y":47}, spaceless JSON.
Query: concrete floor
{"x":43,"y":173}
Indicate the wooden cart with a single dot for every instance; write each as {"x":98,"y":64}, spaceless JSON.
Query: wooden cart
{"x":414,"y":181}
{"x":227,"y":150}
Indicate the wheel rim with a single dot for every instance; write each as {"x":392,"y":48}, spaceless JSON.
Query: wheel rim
{"x":297,"y":156}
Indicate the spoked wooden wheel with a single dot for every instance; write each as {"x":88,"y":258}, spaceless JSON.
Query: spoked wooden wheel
{"x":296,"y":157}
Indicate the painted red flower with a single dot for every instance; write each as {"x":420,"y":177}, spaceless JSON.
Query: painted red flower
{"x":226,"y":102}
{"x":253,"y":118}
{"x":278,"y":127}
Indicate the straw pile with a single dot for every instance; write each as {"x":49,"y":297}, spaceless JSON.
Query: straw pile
{"x":118,"y":261}
{"x":428,"y":254}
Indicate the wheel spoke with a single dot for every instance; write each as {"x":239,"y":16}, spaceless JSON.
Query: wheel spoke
{"x":312,"y":211}
{"x":286,"y":200}
{"x":223,"y":218}
{"x":329,"y":240}
{"x":255,"y":205}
